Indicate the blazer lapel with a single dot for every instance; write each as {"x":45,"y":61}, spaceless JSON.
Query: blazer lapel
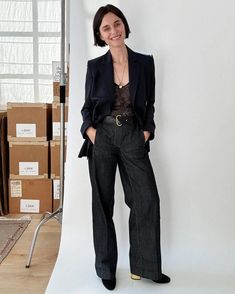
{"x":106,"y":71}
{"x":133,"y":73}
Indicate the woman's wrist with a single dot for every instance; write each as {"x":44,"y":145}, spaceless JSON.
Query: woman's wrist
{"x":89,"y":130}
{"x":91,"y":133}
{"x":146,"y":135}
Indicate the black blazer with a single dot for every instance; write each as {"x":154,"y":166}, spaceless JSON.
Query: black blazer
{"x":99,"y":93}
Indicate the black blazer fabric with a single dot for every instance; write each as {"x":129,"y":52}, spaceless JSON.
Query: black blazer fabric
{"x":100,"y":87}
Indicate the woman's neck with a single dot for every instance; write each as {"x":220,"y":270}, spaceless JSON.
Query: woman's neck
{"x":119,"y":54}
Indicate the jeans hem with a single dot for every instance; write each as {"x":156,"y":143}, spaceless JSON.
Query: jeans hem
{"x":105,"y":275}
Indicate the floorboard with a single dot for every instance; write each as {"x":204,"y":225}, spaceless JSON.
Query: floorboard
{"x":15,"y":278}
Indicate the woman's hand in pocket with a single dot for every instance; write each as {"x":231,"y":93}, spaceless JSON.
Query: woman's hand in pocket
{"x":146,"y":135}
{"x":91,"y":133}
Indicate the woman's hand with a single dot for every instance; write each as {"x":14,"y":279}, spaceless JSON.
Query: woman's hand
{"x":146,"y":135}
{"x":91,"y":133}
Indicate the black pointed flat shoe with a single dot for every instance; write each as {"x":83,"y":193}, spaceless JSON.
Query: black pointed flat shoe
{"x":109,"y":284}
{"x":164,"y":280}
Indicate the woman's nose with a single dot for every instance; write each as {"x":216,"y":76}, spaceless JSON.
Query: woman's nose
{"x":113,"y":30}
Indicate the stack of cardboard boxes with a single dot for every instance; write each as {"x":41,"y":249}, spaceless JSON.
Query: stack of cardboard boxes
{"x":29,"y":131}
{"x":34,"y":166}
{"x":55,"y":150}
{"x":34,"y":149}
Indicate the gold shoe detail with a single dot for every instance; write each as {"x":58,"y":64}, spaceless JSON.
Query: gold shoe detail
{"x":135,"y":277}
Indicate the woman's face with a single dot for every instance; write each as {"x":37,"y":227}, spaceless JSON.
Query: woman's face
{"x":112,"y":30}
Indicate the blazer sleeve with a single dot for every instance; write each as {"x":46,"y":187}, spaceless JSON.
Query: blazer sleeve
{"x":149,"y":124}
{"x":87,"y":108}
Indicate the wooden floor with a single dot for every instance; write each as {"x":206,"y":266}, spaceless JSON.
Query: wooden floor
{"x":15,"y":278}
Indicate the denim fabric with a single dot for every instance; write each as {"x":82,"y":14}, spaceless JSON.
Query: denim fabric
{"x":124,"y":147}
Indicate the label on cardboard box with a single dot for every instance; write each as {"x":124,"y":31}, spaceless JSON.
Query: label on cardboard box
{"x":56,"y":129}
{"x":16,"y":188}
{"x":29,"y":205}
{"x":26,"y":130}
{"x":28,"y":168}
{"x":56,"y":70}
{"x":56,"y":189}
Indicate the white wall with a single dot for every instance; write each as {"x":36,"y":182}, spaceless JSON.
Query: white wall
{"x":193,"y":42}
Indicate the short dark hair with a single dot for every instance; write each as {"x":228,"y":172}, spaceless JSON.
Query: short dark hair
{"x":99,"y":17}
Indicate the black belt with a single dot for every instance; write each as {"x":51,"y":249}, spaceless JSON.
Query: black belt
{"x":120,"y":119}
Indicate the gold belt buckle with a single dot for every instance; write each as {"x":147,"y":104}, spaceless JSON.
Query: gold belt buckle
{"x":118,"y":123}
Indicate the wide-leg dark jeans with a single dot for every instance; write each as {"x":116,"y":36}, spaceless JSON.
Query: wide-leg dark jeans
{"x":124,"y":147}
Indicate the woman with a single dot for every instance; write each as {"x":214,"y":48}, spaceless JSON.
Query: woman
{"x":118,"y":124}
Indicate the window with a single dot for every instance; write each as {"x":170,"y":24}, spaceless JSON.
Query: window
{"x":29,"y":42}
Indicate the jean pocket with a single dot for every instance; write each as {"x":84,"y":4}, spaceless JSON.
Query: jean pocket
{"x":96,"y":134}
{"x":142,"y":136}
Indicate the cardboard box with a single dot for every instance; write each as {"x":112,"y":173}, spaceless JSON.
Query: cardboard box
{"x":55,"y":158}
{"x":30,"y":196}
{"x":29,"y":121}
{"x":56,"y":120}
{"x":29,"y":160}
{"x":56,"y":194}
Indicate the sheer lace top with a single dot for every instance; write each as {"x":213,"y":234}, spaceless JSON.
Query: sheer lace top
{"x":122,"y":104}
